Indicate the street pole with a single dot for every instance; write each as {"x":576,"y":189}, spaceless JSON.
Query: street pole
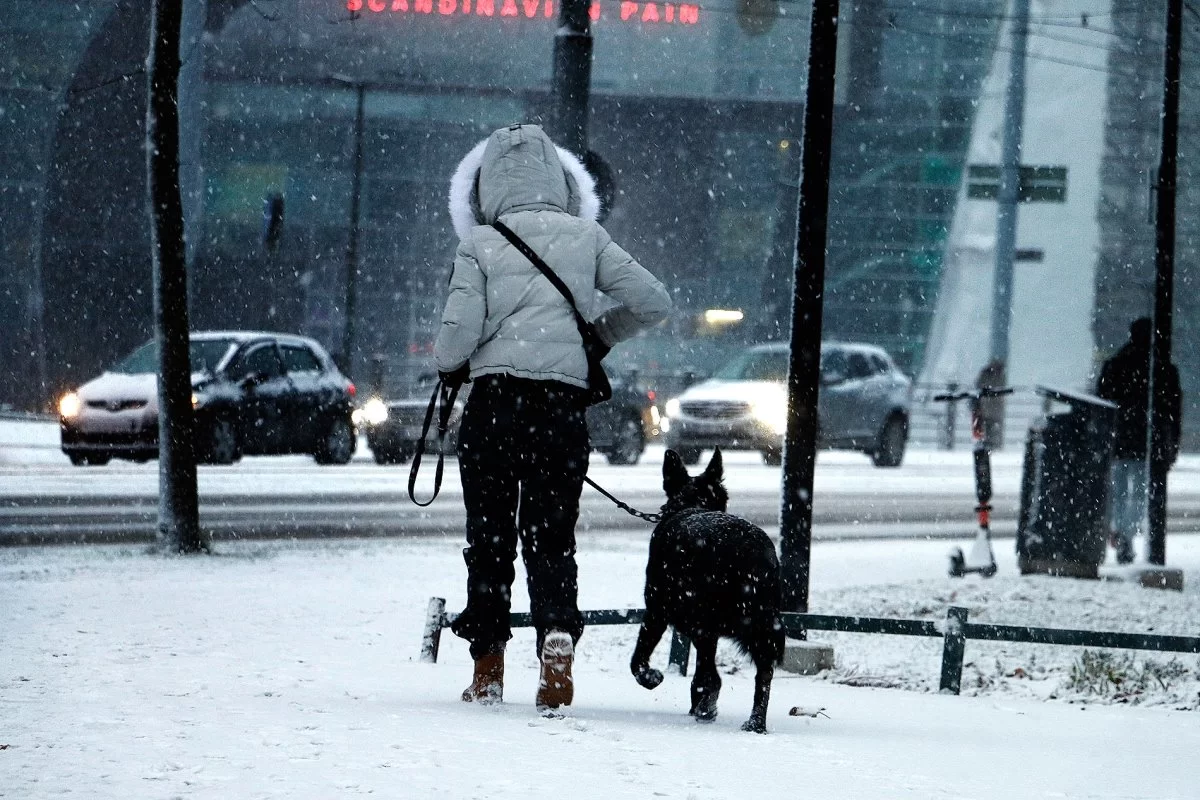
{"x":804,"y":369}
{"x":348,"y":331}
{"x":37,"y":304}
{"x":1008,"y":195}
{"x":1164,"y":278}
{"x":178,"y":503}
{"x":572,"y":76}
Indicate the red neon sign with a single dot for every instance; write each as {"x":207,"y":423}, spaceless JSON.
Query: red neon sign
{"x":651,"y":12}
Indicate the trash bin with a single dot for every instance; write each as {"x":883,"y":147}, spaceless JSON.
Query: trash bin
{"x":1062,"y":526}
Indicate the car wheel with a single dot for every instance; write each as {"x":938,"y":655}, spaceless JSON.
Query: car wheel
{"x":772,"y":456}
{"x":628,"y":443}
{"x":385,"y":455}
{"x":892,"y":440}
{"x":337,"y":445}
{"x":220,"y":444}
{"x":89,"y":459}
{"x":689,"y":455}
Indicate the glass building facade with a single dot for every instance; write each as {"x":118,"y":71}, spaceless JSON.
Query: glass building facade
{"x":1126,"y":269}
{"x":696,"y":109}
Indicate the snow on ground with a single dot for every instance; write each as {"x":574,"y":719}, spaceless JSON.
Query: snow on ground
{"x":291,"y":670}
{"x":29,"y":441}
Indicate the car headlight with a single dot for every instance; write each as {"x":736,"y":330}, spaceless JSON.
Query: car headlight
{"x":772,"y":412}
{"x":69,"y":405}
{"x":374,"y":412}
{"x":673,"y":407}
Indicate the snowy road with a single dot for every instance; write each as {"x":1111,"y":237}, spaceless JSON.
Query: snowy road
{"x":45,"y":500}
{"x":293,"y":497}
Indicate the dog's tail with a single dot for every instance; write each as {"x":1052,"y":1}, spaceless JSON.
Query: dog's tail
{"x":763,"y":640}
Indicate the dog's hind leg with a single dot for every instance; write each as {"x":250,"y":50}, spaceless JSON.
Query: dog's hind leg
{"x":649,"y":634}
{"x":762,"y":695}
{"x":706,"y":683}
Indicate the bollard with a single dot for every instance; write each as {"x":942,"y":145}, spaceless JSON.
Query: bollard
{"x":952,"y":649}
{"x":435,"y":618}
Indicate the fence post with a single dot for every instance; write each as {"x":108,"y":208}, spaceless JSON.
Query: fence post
{"x":952,"y":649}
{"x":434,"y":617}
{"x":681,"y":650}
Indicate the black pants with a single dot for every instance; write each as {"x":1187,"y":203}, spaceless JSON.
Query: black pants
{"x":522,"y":455}
{"x":1156,"y":500}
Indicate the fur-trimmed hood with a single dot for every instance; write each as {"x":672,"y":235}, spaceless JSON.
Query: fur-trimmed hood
{"x":518,"y":168}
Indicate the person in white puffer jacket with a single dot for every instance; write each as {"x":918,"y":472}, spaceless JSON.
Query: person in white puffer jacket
{"x":523,"y":442}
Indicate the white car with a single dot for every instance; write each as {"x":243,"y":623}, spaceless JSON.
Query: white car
{"x":863,"y":405}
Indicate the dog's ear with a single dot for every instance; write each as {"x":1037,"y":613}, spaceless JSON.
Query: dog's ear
{"x":715,"y":470}
{"x":675,"y":476}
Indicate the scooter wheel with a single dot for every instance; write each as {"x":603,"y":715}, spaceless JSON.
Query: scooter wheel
{"x":988,"y":571}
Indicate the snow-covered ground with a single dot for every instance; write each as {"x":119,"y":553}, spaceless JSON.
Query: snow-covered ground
{"x":291,"y":670}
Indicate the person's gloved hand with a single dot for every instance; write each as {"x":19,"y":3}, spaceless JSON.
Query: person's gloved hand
{"x":456,"y":377}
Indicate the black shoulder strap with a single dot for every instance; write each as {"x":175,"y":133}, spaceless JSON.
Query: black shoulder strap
{"x":536,"y":260}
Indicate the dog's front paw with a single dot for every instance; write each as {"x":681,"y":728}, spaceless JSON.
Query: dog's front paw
{"x":648,"y":677}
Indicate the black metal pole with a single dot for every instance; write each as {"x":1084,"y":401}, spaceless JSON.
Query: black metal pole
{"x":1008,"y":197}
{"x":804,"y":372}
{"x":1164,"y":272}
{"x":178,"y":504}
{"x":572,"y":76}
{"x":348,"y":331}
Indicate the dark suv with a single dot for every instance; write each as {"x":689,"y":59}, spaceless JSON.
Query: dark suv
{"x":617,"y":428}
{"x":254,"y":393}
{"x":863,"y":405}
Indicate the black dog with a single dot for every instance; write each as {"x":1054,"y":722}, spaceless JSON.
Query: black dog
{"x":710,"y":574}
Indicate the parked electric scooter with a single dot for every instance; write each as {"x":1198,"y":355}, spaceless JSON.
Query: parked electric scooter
{"x":981,"y":559}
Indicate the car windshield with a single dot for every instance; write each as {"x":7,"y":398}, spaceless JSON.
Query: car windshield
{"x":204,"y":356}
{"x":755,"y":365}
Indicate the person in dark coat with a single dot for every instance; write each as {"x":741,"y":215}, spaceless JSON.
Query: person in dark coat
{"x":1139,"y":489}
{"x":523,"y":443}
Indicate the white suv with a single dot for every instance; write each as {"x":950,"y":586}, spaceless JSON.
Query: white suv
{"x":863,"y":405}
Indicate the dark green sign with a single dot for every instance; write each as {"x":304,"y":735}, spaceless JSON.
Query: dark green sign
{"x":1036,"y":185}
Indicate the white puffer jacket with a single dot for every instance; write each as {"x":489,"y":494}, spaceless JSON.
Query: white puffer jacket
{"x":502,"y":314}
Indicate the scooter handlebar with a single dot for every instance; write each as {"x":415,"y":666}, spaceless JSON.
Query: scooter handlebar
{"x":943,"y":398}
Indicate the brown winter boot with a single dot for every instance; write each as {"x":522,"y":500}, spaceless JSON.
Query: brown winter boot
{"x":487,"y":687}
{"x":555,"y":686}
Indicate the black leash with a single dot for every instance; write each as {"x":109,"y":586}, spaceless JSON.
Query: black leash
{"x":447,"y":395}
{"x":655,"y":518}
